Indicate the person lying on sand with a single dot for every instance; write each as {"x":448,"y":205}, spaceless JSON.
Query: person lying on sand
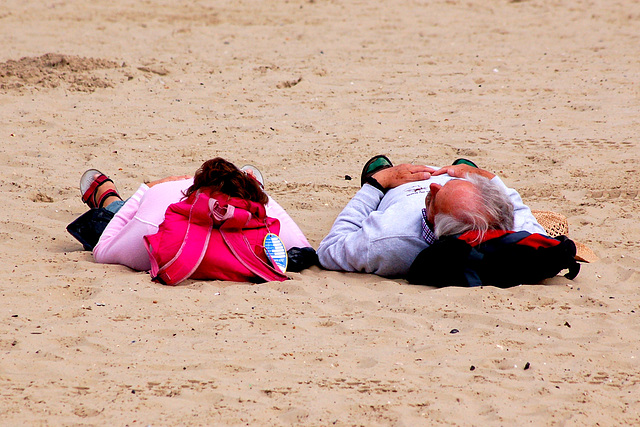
{"x":115,"y":228}
{"x":401,"y":210}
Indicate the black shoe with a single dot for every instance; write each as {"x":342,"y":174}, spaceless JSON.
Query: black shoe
{"x":375,"y":164}
{"x":464,"y":162}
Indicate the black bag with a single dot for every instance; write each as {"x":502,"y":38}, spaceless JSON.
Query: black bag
{"x":88,"y":228}
{"x":503,"y":259}
{"x":301,"y":258}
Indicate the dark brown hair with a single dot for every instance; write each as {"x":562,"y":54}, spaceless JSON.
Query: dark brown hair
{"x":220,"y":176}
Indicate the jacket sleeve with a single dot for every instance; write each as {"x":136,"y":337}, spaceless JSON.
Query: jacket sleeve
{"x":346,"y":247}
{"x":523,"y":219}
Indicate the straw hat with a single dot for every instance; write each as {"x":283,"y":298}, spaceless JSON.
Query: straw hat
{"x":555,"y":225}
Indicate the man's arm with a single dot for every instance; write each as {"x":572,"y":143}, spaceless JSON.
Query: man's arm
{"x":347,"y":245}
{"x":460,"y":171}
{"x":401,"y":174}
{"x":523,"y":219}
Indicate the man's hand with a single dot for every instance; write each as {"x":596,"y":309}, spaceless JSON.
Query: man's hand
{"x":401,"y":174}
{"x":459,"y":171}
{"x":167,"y":179}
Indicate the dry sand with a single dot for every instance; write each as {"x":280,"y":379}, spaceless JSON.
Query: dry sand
{"x":544,"y":93}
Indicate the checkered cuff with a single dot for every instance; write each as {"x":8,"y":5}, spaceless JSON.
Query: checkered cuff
{"x":427,"y":234}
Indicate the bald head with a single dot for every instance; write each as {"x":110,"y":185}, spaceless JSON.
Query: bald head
{"x":454,"y":198}
{"x":475,"y":203}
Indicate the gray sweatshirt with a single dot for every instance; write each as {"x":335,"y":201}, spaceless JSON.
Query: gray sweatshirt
{"x":381,"y":233}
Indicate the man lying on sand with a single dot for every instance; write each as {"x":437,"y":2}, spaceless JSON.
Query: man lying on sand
{"x":401,"y":210}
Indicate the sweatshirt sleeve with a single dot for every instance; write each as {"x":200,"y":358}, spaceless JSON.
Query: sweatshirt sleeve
{"x":523,"y":219}
{"x":346,"y":247}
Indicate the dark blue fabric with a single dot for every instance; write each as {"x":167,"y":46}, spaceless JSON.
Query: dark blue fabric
{"x":503,"y":261}
{"x":88,"y":228}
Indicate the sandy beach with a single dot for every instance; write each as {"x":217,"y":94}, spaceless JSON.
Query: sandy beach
{"x":546,"y":94}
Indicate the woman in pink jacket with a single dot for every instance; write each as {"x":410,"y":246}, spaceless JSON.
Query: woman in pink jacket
{"x":114,"y":228}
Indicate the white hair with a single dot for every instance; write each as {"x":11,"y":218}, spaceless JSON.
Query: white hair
{"x":493,"y":210}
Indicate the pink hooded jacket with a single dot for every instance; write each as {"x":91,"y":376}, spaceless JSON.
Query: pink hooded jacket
{"x":211,"y":236}
{"x":122,"y":241}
